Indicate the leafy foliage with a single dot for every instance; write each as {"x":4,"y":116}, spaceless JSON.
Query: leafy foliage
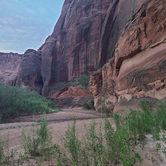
{"x":89,"y":105}
{"x":15,"y":101}
{"x":97,"y":148}
{"x":36,"y":141}
{"x":112,"y":145}
{"x":84,"y":80}
{"x":6,"y":155}
{"x":72,"y":143}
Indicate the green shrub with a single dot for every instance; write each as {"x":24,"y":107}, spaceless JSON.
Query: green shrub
{"x":6,"y":155}
{"x":36,"y":142}
{"x":93,"y":146}
{"x":89,"y":105}
{"x":161,"y":115}
{"x":84,"y":80}
{"x":72,"y":144}
{"x":97,"y":148}
{"x":15,"y":101}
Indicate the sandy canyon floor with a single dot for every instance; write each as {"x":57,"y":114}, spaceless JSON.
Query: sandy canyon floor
{"x":58,"y":123}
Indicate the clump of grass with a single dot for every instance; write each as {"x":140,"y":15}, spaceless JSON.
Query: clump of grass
{"x":15,"y":101}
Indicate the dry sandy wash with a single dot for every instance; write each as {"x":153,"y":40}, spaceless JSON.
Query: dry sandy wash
{"x":58,"y":123}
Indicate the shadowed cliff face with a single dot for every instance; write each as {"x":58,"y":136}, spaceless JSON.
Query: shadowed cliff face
{"x":123,"y":40}
{"x":78,"y":37}
{"x":22,"y":70}
{"x":29,"y":71}
{"x":84,"y":38}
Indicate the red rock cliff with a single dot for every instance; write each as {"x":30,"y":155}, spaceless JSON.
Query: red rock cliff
{"x":125,"y":39}
{"x":137,"y":69}
{"x":77,"y":43}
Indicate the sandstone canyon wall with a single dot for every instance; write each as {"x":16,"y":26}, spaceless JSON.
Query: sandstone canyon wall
{"x":120,"y":43}
{"x":9,"y":63}
{"x":137,"y":69}
{"x":22,"y":70}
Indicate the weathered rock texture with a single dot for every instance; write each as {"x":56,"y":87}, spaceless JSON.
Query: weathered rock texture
{"x":124,"y":39}
{"x":78,"y":37}
{"x":8,"y":64}
{"x":137,"y":69}
{"x":23,"y":70}
{"x":29,"y":72}
{"x":72,"y":96}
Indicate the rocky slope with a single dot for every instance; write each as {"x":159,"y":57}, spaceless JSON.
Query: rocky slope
{"x":123,"y":40}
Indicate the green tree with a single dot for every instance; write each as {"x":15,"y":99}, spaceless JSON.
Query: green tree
{"x":84,"y":80}
{"x":16,"y":100}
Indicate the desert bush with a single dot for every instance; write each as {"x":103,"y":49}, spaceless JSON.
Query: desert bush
{"x":38,"y":140}
{"x":89,"y":105}
{"x":84,"y":81}
{"x":6,"y":155}
{"x":97,"y":148}
{"x":94,"y":147}
{"x":72,"y":144}
{"x":15,"y":101}
{"x":161,"y":115}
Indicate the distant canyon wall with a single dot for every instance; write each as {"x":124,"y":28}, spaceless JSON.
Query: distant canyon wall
{"x":9,"y":63}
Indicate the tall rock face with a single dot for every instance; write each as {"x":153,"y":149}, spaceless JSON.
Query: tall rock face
{"x":123,"y":41}
{"x":22,"y":70}
{"x":8,"y":64}
{"x":137,"y":69}
{"x":29,"y":71}
{"x":78,"y":37}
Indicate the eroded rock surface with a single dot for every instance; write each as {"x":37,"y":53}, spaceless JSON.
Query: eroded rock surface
{"x":78,"y":37}
{"x":29,"y":71}
{"x":123,"y":41}
{"x":22,"y":70}
{"x":138,"y":66}
{"x":72,"y":96}
{"x":8,"y":64}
